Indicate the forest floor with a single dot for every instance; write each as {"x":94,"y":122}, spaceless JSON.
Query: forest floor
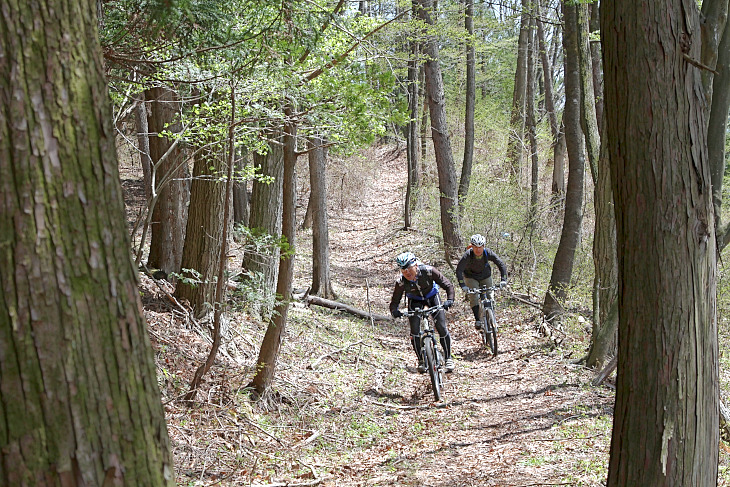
{"x":347,"y":407}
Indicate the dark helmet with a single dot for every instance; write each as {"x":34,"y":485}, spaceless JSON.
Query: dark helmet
{"x":405,"y":260}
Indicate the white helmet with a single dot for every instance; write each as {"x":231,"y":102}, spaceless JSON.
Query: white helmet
{"x":478,"y":240}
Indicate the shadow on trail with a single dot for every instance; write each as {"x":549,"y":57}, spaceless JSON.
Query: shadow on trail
{"x":555,"y":417}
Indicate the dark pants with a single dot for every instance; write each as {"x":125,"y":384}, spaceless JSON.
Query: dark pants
{"x":440,"y":323}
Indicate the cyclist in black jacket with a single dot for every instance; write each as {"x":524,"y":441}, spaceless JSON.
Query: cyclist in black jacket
{"x":421,"y":284}
{"x":473,"y":271}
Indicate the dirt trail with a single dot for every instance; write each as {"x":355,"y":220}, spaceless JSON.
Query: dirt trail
{"x":526,"y":417}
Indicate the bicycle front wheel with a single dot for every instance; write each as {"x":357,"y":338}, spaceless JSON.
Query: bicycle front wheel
{"x":432,"y":365}
{"x":490,"y":331}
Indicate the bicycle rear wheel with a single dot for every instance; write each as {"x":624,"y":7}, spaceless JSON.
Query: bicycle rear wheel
{"x":490,"y":331}
{"x":432,"y":365}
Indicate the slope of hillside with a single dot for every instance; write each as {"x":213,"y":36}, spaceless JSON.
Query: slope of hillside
{"x":348,"y":407}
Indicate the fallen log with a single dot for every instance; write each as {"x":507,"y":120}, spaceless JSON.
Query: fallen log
{"x":605,"y":372}
{"x":308,"y":299}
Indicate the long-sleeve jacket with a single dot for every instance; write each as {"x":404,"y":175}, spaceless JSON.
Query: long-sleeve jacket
{"x":422,"y":288}
{"x":478,"y":267}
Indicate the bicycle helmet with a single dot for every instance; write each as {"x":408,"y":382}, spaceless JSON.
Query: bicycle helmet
{"x":405,"y":260}
{"x":478,"y":240}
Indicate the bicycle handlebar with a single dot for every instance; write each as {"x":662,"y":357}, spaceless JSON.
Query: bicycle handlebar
{"x":484,"y":289}
{"x":424,"y":311}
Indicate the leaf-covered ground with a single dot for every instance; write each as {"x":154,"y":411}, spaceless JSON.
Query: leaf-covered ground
{"x":347,"y":407}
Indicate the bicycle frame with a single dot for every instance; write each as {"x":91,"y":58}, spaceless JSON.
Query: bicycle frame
{"x":486,"y":317}
{"x":432,"y":356}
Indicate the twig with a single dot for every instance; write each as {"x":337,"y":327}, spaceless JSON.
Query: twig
{"x":603,"y":374}
{"x":370,"y":310}
{"x":302,"y":443}
{"x":314,"y":364}
{"x":293,"y":484}
{"x":524,"y":300}
{"x":698,"y":64}
{"x":564,"y":439}
{"x":405,"y":408}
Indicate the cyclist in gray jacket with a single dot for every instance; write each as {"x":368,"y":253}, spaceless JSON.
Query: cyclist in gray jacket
{"x":421,"y":284}
{"x":474,"y":271}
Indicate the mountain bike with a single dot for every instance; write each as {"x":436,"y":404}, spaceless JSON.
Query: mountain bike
{"x":431,"y":353}
{"x":488,"y":329}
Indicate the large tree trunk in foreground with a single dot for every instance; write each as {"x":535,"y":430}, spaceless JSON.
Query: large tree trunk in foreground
{"x":666,"y":415}
{"x":79,"y":395}
{"x":440,"y":134}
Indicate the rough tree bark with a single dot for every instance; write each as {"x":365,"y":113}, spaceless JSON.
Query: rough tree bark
{"x":265,"y":216}
{"x":79,"y":394}
{"x":439,"y":132}
{"x":666,"y":414}
{"x":143,"y":144}
{"x":271,"y":344}
{"x":202,"y":249}
{"x":171,"y":181}
{"x":412,"y":147}
{"x":717,"y":127}
{"x":604,"y":337}
{"x":321,"y":277}
{"x":532,"y":129}
{"x":240,"y":193}
{"x":547,"y":71}
{"x":570,"y":236}
{"x":470,"y":95}
{"x":517,"y":119}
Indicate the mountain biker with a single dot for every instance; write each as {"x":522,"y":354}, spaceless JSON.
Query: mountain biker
{"x":473,"y":271}
{"x":421,"y":283}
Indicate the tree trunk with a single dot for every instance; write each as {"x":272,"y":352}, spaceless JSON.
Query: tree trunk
{"x":262,"y":264}
{"x":517,"y":119}
{"x":79,"y":394}
{"x":171,"y":182}
{"x":470,"y":95}
{"x":595,"y":47}
{"x":439,"y":131}
{"x":713,"y":27}
{"x":547,"y":71}
{"x":321,"y":279}
{"x":271,"y":345}
{"x":570,"y":236}
{"x":240,"y":193}
{"x":604,"y":339}
{"x":560,"y":152}
{"x":143,"y":144}
{"x":412,"y":148}
{"x":716,"y":133}
{"x":666,"y":414}
{"x":532,"y":130}
{"x":204,"y":231}
{"x":588,"y":121}
{"x":424,"y":118}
